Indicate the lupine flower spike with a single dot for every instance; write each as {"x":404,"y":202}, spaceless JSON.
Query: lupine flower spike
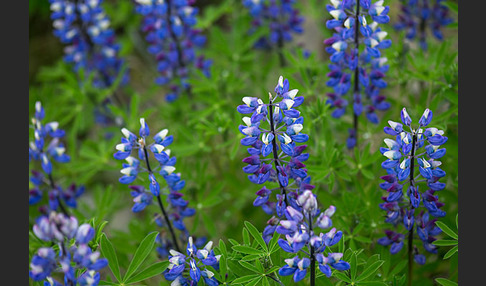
{"x":295,"y":213}
{"x":412,"y":158}
{"x":59,"y":229}
{"x":281,"y":17}
{"x":417,"y":17}
{"x":164,"y":166}
{"x":174,"y":42}
{"x":47,"y":148}
{"x":84,"y":27}
{"x":357,"y":65}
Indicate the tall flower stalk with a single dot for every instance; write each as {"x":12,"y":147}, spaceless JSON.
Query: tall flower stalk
{"x":357,"y":66}
{"x":295,"y":212}
{"x":174,"y":208}
{"x":84,"y":28}
{"x":174,"y":42}
{"x":74,"y":258}
{"x":281,"y":17}
{"x":46,"y":148}
{"x":406,"y":154}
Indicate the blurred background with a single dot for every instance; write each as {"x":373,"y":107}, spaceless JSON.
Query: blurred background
{"x":205,"y":127}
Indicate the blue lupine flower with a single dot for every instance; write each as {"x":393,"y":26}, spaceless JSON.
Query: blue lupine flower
{"x":47,"y":148}
{"x":194,"y":261}
{"x":404,"y":158}
{"x":299,"y":233}
{"x":281,"y":17}
{"x":40,"y":149}
{"x":285,"y":165}
{"x":419,"y":17}
{"x":363,"y":71}
{"x":59,"y":228}
{"x":173,"y":40}
{"x":158,"y":152}
{"x":296,"y":209}
{"x":85,"y":28}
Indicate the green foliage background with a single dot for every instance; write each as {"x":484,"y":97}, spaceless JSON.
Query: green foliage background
{"x":206,"y":141}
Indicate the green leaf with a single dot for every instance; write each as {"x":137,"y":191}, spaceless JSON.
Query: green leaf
{"x":372,"y":283}
{"x":109,"y":253}
{"x":107,"y":283}
{"x":445,"y":282}
{"x":398,"y":268}
{"x":141,"y":254}
{"x":256,"y":235}
{"x":370,"y":270}
{"x":354,"y":266}
{"x":446,"y":229}
{"x":273,"y":244}
{"x":444,"y":242}
{"x":249,"y":266}
{"x":451,"y":252}
{"x":150,"y":271}
{"x":223,"y":266}
{"x":246,"y":249}
{"x":245,"y":279}
{"x":246,"y":237}
{"x":341,"y":276}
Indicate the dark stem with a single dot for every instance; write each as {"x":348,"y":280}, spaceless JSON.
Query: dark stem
{"x":410,"y":232}
{"x":312,"y":257}
{"x":275,"y":153}
{"x":167,"y":221}
{"x":356,"y":70}
{"x":275,"y":279}
{"x":161,"y":205}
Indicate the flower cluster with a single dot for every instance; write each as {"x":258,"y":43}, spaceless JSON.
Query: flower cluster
{"x":173,"y":40}
{"x":416,"y":16}
{"x":85,"y":28}
{"x":281,"y":17}
{"x":195,"y":261}
{"x":411,"y":150}
{"x":298,"y":228}
{"x":46,"y":148}
{"x":296,"y":209}
{"x":74,"y":257}
{"x":142,"y":197}
{"x":274,"y":153}
{"x":356,"y":59}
